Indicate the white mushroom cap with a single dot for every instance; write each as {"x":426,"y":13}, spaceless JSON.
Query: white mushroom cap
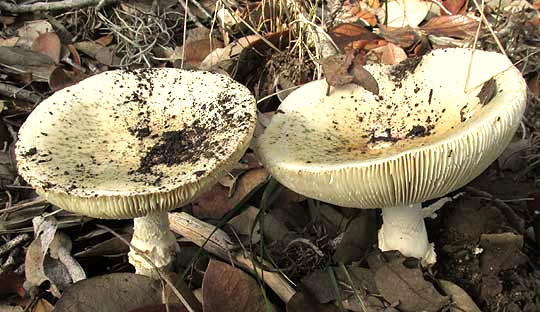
{"x":123,"y":144}
{"x":422,"y":138}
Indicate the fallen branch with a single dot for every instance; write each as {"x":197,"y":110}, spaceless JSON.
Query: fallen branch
{"x":52,"y":6}
{"x":220,"y":245}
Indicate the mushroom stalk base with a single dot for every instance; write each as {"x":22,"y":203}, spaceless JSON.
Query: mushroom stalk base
{"x":403,"y":229}
{"x":152,"y":236}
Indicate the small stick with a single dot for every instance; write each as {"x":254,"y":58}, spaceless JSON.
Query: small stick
{"x":31,"y":203}
{"x":18,"y":93}
{"x":4,"y":249}
{"x":52,"y":6}
{"x":220,"y":245}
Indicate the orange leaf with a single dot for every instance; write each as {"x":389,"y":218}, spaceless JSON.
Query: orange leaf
{"x":48,"y":44}
{"x":393,"y":54}
{"x":455,"y":6}
{"x":352,"y":36}
{"x":105,"y":40}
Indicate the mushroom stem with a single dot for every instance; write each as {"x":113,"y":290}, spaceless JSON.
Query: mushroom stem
{"x":152,"y":236}
{"x":403,"y":229}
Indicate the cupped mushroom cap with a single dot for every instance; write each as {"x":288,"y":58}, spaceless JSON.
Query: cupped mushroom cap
{"x":123,"y":144}
{"x":422,"y":137}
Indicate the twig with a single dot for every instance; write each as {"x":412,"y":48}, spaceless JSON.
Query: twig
{"x":198,"y":232}
{"x":19,"y":93}
{"x":4,"y":249}
{"x":52,"y":6}
{"x":513,"y":219}
{"x":31,"y":203}
{"x":10,"y":261}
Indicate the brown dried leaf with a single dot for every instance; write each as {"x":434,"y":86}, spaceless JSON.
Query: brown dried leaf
{"x":353,"y":36}
{"x":104,"y":55}
{"x":456,"y":26}
{"x":194,"y":52}
{"x":61,"y":78}
{"x":43,"y":306}
{"x":398,"y":283}
{"x":401,"y":36}
{"x":11,"y":283}
{"x":488,"y":91}
{"x":302,"y":302}
{"x":48,"y":44}
{"x":455,"y":6}
{"x":336,"y":69}
{"x":226,"y":288}
{"x":215,"y":203}
{"x":105,"y":40}
{"x":392,"y":54}
{"x":117,"y":292}
{"x":342,"y":69}
{"x":501,"y":252}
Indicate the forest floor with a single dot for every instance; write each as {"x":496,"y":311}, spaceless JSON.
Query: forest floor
{"x":316,"y":256}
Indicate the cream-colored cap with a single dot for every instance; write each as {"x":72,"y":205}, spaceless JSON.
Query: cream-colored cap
{"x":123,"y":144}
{"x":422,"y":137}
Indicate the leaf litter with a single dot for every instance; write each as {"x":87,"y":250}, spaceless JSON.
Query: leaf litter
{"x":486,"y":239}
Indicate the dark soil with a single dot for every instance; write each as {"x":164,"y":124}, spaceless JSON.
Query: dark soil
{"x":401,"y":70}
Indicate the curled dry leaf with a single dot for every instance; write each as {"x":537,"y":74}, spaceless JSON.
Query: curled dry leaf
{"x":456,"y":26}
{"x":215,"y":203}
{"x":342,"y":69}
{"x":48,"y":44}
{"x":61,"y":78}
{"x":226,"y":288}
{"x":194,"y":52}
{"x":488,"y":91}
{"x":399,"y":283}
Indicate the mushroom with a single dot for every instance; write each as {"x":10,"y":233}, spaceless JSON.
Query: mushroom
{"x":422,"y":137}
{"x":136,"y":144}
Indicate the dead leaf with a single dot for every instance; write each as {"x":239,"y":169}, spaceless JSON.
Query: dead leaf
{"x":215,"y":203}
{"x":353,"y":37}
{"x":61,"y":78}
{"x":398,"y":283}
{"x":501,"y":252}
{"x":196,"y":51}
{"x":245,"y":225}
{"x":341,"y":69}
{"x":455,"y":26}
{"x":401,"y":36}
{"x":48,"y":44}
{"x":60,"y":248}
{"x":488,"y":91}
{"x":105,"y":40}
{"x":9,"y":42}
{"x":357,"y":239}
{"x":455,"y":6}
{"x":392,"y":54}
{"x":402,"y":13}
{"x":117,"y":292}
{"x":43,"y":306}
{"x":461,"y":301}
{"x":226,"y":288}
{"x":104,"y":55}
{"x":302,"y":302}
